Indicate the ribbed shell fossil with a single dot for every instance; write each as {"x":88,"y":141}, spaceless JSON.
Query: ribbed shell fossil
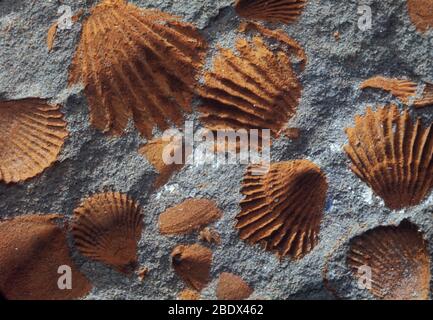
{"x":398,"y":259}
{"x":32,"y":248}
{"x":426,"y":99}
{"x":136,"y":63}
{"x":402,"y":89}
{"x":283,"y":208}
{"x":32,"y":134}
{"x":393,"y":155}
{"x":255,"y":89}
{"x":232,"y":287}
{"x":285,"y":11}
{"x":192,"y":263}
{"x":421,"y":13}
{"x":107,"y":227}
{"x":190,"y":215}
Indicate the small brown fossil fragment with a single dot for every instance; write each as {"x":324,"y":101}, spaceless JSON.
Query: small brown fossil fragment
{"x":192,"y":263}
{"x":209,"y":235}
{"x":188,"y":216}
{"x":189,"y":294}
{"x":402,"y":89}
{"x":232,"y":287}
{"x":142,"y":273}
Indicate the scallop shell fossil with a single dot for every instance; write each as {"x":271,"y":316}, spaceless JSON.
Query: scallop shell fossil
{"x":393,"y":155}
{"x":232,"y":287}
{"x":398,"y":259}
{"x":254,"y":89}
{"x":32,"y":248}
{"x":32,"y":136}
{"x":285,"y":11}
{"x":402,"y":89}
{"x":421,"y":13}
{"x":136,"y":63}
{"x":107,"y":227}
{"x":283,"y":209}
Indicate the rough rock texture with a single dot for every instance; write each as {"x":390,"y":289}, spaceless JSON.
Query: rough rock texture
{"x":91,"y":162}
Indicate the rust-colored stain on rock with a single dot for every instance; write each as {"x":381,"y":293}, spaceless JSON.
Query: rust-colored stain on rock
{"x":107,"y":228}
{"x":188,"y":216}
{"x":32,"y":134}
{"x":32,"y":248}
{"x":232,"y":287}
{"x":393,"y":155}
{"x":283,"y":209}
{"x":192,"y":263}
{"x":398,"y":259}
{"x":255,"y":88}
{"x":284,"y":11}
{"x":402,"y":89}
{"x":421,"y":13}
{"x":138,"y":64}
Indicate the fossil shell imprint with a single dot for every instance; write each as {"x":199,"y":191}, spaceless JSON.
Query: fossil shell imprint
{"x":232,"y":287}
{"x":32,"y":248}
{"x":107,"y":227}
{"x":426,"y":99}
{"x":192,"y":263}
{"x":136,"y":63}
{"x":188,"y":216}
{"x":283,"y":208}
{"x":402,"y":89}
{"x":284,"y":11}
{"x":398,"y":259}
{"x":421,"y":13}
{"x":393,"y":155}
{"x":255,"y":89}
{"x":32,"y":134}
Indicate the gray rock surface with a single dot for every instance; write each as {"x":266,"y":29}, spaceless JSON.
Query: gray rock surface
{"x":92,"y":162}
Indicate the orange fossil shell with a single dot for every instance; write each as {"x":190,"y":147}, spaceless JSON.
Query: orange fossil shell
{"x":154,"y":153}
{"x":398,"y":259}
{"x":232,"y":287}
{"x":188,"y":216}
{"x":254,"y":89}
{"x":192,"y":263}
{"x":393,"y":155}
{"x":402,"y":89}
{"x":427,"y":97}
{"x":138,"y":64}
{"x":32,"y":134}
{"x":284,"y":207}
{"x":189,"y":294}
{"x":421,"y":13}
{"x":285,"y":11}
{"x":32,"y":248}
{"x":107,"y":227}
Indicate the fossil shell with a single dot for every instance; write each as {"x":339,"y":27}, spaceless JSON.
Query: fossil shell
{"x":255,"y":89}
{"x":210,"y":236}
{"x":192,"y":263}
{"x":427,"y":97}
{"x":107,"y":227}
{"x":284,"y":207}
{"x":402,"y":89}
{"x":393,"y":155}
{"x":154,"y":153}
{"x":138,"y":64}
{"x":232,"y":287}
{"x":32,"y":248}
{"x":421,"y":13}
{"x":189,"y":294}
{"x":284,"y":11}
{"x":188,"y":216}
{"x":32,"y":134}
{"x":398,"y":259}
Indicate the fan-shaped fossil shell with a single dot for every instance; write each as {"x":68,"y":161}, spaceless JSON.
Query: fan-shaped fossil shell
{"x":283,"y":208}
{"x":402,"y":89}
{"x":255,"y":89}
{"x":32,"y":134}
{"x":426,"y":98}
{"x":393,"y":155}
{"x":107,"y":227}
{"x":32,"y":248}
{"x":192,"y":263}
{"x":285,"y":11}
{"x":397,"y":258}
{"x":190,"y":215}
{"x":138,"y":64}
{"x":421,"y":13}
{"x":232,"y":287}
